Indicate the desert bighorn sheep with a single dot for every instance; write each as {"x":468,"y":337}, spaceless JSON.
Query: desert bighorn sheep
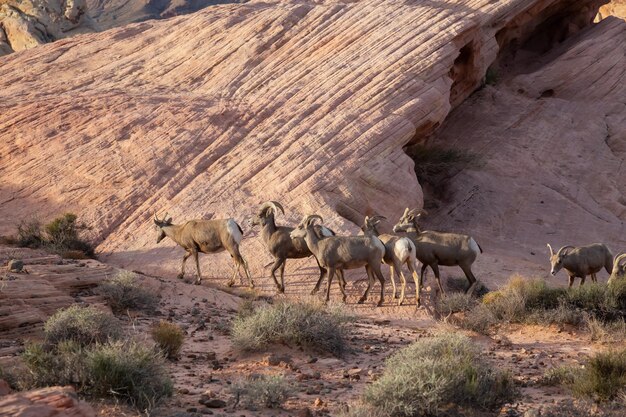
{"x":282,"y":246}
{"x":398,"y":251}
{"x":438,"y":248}
{"x":619,"y":268}
{"x":581,"y":261}
{"x":344,"y":252}
{"x":205,"y":236}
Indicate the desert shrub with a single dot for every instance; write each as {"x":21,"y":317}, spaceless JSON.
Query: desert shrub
{"x":60,"y":364}
{"x":10,"y":376}
{"x":616,"y":295}
{"x":29,"y":234}
{"x":605,"y":331}
{"x":432,"y":373}
{"x":84,"y":325}
{"x":563,"y":314}
{"x":560,"y":375}
{"x":479,"y":319}
{"x":123,"y":292}
{"x":589,"y":297}
{"x":269,"y":391}
{"x":455,"y":302}
{"x":61,"y":235}
{"x":131,"y":371}
{"x":435,"y":165}
{"x":169,"y":337}
{"x":305,"y":324}
{"x":603,"y":377}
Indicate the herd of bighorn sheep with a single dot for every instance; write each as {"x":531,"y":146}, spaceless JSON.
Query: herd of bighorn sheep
{"x":334,"y":254}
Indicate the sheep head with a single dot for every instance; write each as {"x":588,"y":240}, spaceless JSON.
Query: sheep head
{"x":307,"y":222}
{"x":409,"y":220}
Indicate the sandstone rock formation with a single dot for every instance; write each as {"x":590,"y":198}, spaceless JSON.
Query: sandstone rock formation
{"x":44,"y":402}
{"x":210,"y":114}
{"x":615,"y":8}
{"x":25,"y":24}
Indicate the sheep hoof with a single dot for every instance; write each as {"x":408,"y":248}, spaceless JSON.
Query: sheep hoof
{"x":379,"y":304}
{"x":314,"y":291}
{"x":197,"y":282}
{"x":361,"y":300}
{"x":230,"y":283}
{"x":180,"y":276}
{"x":251,"y":285}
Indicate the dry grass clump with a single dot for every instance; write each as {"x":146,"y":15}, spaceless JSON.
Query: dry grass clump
{"x":61,"y":235}
{"x":433,"y":373}
{"x":82,"y":349}
{"x":306,"y":324}
{"x":601,"y":379}
{"x":83,"y":325}
{"x":169,"y":337}
{"x":123,"y":293}
{"x":269,"y":391}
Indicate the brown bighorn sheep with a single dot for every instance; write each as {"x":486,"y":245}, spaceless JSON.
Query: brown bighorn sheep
{"x":398,"y":251}
{"x":344,"y":252}
{"x":619,"y":268}
{"x":282,"y":246}
{"x":581,"y":261}
{"x":205,"y":236}
{"x":438,"y":248}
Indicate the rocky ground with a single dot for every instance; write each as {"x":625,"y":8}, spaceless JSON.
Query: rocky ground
{"x":209,"y":363}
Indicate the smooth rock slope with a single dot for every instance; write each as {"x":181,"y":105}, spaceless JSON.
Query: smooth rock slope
{"x":210,"y":114}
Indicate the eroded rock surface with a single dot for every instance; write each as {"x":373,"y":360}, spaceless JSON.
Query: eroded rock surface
{"x":210,"y":114}
{"x":44,"y":402}
{"x":25,"y":24}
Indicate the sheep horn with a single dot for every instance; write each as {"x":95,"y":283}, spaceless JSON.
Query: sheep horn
{"x":562,"y":250}
{"x":551,"y":251}
{"x":620,"y":258}
{"x":418,"y":212}
{"x":308,"y":219}
{"x":274,"y":205}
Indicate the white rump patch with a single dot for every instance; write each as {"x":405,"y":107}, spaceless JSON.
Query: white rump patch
{"x":404,"y":248}
{"x":326,"y":232}
{"x":233,"y":230}
{"x":474,"y":246}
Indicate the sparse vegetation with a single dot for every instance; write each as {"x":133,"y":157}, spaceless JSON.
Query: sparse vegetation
{"x":269,"y":391}
{"x":81,"y":350}
{"x":533,"y":301}
{"x":83,"y":325}
{"x":130,"y":371}
{"x":432,"y":373}
{"x":169,"y":337}
{"x":123,"y":293}
{"x":61,"y":235}
{"x":309,"y":325}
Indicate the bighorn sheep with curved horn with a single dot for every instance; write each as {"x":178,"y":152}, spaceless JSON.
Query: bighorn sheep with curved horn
{"x":398,"y":251}
{"x":581,"y":261}
{"x":282,"y":246}
{"x":205,"y":236}
{"x":344,"y":252}
{"x":619,"y":268}
{"x":437,"y":248}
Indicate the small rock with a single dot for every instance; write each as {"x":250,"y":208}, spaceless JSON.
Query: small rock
{"x":318,"y":402}
{"x":211,"y":356}
{"x":192,"y":410}
{"x":311,"y":360}
{"x":183,"y":391}
{"x":276,"y":359}
{"x":305,"y":412}
{"x":215,"y":403}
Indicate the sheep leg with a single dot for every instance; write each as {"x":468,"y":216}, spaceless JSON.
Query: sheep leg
{"x":467,"y":270}
{"x":582,"y":280}
{"x":195,"y":257}
{"x":416,"y":281}
{"x":342,"y":284}
{"x":381,"y":279}
{"x":282,"y":276}
{"x":182,"y":267}
{"x":392,"y":274}
{"x":435,"y":268}
{"x":277,"y":264}
{"x":370,"y":278}
{"x":422,"y":275}
{"x":319,"y":281}
{"x":403,"y":280}
{"x":571,"y":281}
{"x":594,"y":278}
{"x":330,"y":272}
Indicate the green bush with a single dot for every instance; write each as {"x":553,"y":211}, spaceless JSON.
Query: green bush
{"x":309,"y":325}
{"x":616,"y":295}
{"x":479,"y":319}
{"x":29,"y":234}
{"x":61,"y":235}
{"x":269,"y":391}
{"x":46,"y":365}
{"x":432,"y":373}
{"x":123,"y":292}
{"x":603,"y":378}
{"x":560,"y":375}
{"x":84,"y":325}
{"x":130,"y":371}
{"x":455,"y":302}
{"x":169,"y":337}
